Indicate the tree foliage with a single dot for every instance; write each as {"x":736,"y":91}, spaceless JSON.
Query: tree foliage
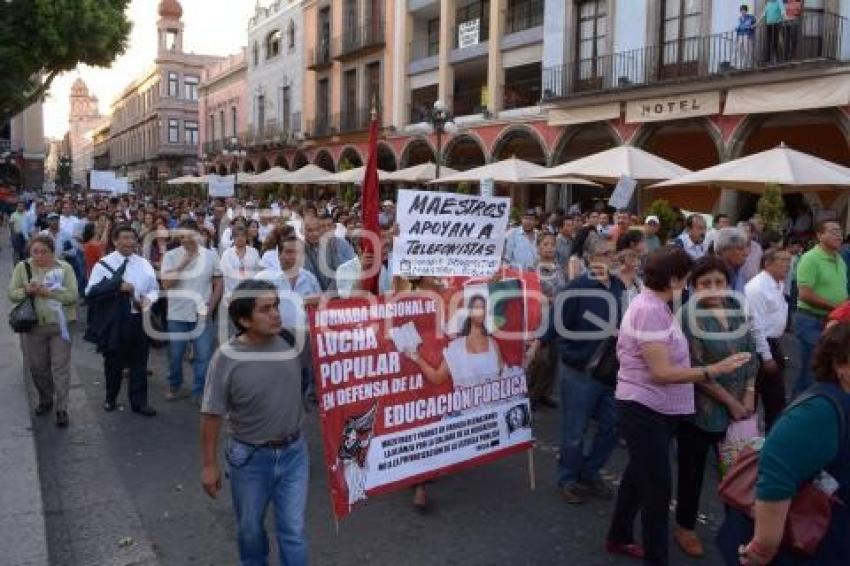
{"x":667,"y":217}
{"x":40,"y":39}
{"x":771,"y":208}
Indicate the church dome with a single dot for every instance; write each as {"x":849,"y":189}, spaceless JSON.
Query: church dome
{"x":170,"y":9}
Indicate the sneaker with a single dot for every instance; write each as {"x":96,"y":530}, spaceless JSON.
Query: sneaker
{"x":175,"y":393}
{"x":599,"y":489}
{"x":573,"y":493}
{"x":689,"y":542}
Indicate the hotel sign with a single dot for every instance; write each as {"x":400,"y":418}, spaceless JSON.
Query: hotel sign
{"x":673,"y":107}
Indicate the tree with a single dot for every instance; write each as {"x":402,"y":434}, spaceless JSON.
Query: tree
{"x":771,"y":208}
{"x":666,"y":217}
{"x":40,"y":39}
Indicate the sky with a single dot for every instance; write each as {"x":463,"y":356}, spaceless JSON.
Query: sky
{"x":212,"y":27}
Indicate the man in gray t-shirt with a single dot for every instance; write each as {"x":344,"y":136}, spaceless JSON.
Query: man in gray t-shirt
{"x":255,"y":382}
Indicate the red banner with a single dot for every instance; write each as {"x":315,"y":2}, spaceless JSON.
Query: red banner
{"x":417,"y":385}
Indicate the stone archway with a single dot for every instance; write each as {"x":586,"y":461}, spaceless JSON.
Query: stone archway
{"x":247,"y":166}
{"x":522,"y":143}
{"x":222,"y":169}
{"x":583,"y":140}
{"x":263,"y":165}
{"x":325,"y":161}
{"x":234,"y":167}
{"x":351,"y":158}
{"x":416,"y":152}
{"x":464,"y":152}
{"x":280,"y":161}
{"x":386,"y":158}
{"x":300,"y":160}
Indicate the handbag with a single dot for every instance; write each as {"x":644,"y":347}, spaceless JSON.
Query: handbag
{"x":739,"y":435}
{"x":810,"y":512}
{"x":23,"y":317}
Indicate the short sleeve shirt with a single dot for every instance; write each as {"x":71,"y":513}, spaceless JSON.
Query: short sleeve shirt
{"x":649,"y":320}
{"x":193,"y":289}
{"x":825,"y":274}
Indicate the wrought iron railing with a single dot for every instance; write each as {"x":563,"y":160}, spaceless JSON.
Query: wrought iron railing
{"x":320,"y":56}
{"x":323,"y":125}
{"x":816,"y":36}
{"x":356,"y":39}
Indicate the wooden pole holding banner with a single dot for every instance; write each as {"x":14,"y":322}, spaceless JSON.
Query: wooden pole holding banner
{"x":532,"y":481}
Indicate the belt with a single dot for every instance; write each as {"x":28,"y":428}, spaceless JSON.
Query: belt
{"x":282,"y":443}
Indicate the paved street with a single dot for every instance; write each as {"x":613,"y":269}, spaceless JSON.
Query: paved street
{"x":122,"y":489}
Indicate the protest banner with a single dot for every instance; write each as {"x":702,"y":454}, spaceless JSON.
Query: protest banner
{"x":623,"y":192}
{"x":401,"y":397}
{"x":120,"y":185}
{"x":447,"y":234}
{"x":222,"y":186}
{"x":102,"y":180}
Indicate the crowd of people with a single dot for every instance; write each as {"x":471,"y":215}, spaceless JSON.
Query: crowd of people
{"x":693,"y":321}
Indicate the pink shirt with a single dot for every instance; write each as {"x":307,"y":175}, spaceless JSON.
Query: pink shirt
{"x":648,"y":319}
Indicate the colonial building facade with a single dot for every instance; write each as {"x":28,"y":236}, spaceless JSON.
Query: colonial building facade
{"x":23,"y":149}
{"x":84,"y":115}
{"x":154,"y":131}
{"x":223,"y":107}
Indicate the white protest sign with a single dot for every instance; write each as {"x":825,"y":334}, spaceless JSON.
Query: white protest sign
{"x":120,"y":185}
{"x":448,"y":234}
{"x":222,"y":186}
{"x":102,"y":180}
{"x":622,"y":195}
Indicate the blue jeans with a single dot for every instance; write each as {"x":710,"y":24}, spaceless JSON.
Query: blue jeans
{"x":584,"y":398}
{"x":259,"y":476}
{"x":808,"y":329}
{"x":202,"y":350}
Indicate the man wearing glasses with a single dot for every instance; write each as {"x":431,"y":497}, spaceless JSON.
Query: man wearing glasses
{"x":822,"y":284}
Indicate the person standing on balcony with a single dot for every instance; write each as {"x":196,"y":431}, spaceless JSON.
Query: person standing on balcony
{"x":793,"y":18}
{"x":745,"y":33}
{"x":773,"y":16}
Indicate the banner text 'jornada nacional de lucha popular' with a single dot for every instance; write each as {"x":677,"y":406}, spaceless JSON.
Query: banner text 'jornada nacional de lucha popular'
{"x":448,"y":234}
{"x":417,"y":385}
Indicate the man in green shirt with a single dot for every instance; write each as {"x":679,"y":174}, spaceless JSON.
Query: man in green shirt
{"x":822,"y":284}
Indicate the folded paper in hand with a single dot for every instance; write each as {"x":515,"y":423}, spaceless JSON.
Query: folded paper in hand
{"x":405,"y":337}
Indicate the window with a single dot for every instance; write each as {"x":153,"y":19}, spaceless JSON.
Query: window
{"x":211,"y":128}
{"x":173,"y":131}
{"x":173,"y":85}
{"x":255,"y":50}
{"x":190,"y":88}
{"x":191,"y":128}
{"x":373,"y":85}
{"x":273,"y":44}
{"x":286,"y":107}
{"x":680,"y":31}
{"x":591,"y":38}
{"x":290,"y":35}
{"x":349,"y":99}
{"x":233,"y":117}
{"x":433,"y":37}
{"x":524,"y":14}
{"x":323,"y":104}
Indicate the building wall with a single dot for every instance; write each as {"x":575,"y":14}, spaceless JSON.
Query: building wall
{"x":224,"y":87}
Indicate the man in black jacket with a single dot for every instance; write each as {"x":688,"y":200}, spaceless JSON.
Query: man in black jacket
{"x":122,"y":339}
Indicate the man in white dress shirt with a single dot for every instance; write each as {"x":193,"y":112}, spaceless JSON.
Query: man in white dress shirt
{"x":141,"y":290}
{"x":768,"y":313}
{"x":521,"y":243}
{"x":692,"y":240}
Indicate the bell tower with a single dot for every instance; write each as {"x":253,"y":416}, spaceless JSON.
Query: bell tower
{"x":170,"y":27}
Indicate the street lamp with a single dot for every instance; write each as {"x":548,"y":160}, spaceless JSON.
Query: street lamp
{"x":237,"y":151}
{"x":441,"y":121}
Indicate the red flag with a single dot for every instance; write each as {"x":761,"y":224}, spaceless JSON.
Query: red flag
{"x":370,"y":198}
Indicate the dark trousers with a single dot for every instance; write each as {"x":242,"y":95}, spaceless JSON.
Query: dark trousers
{"x":132,"y":355}
{"x":692,"y":445}
{"x":770,"y":388}
{"x":646,"y":482}
{"x":19,"y":247}
{"x":541,"y":373}
{"x":771,"y":44}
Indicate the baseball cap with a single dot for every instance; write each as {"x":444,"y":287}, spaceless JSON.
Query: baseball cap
{"x":387,"y":203}
{"x":652,"y":218}
{"x":53,"y":216}
{"x":530,"y":212}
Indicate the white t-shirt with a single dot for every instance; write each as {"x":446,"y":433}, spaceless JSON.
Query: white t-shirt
{"x":194,"y":286}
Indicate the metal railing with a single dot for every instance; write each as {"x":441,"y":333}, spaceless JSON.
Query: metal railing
{"x":423,"y":48}
{"x":816,"y":36}
{"x":320,"y":56}
{"x":468,"y":101}
{"x":356,"y":39}
{"x":523,"y":93}
{"x":322,"y":126}
{"x":525,"y":14}
{"x":466,"y":37}
{"x":356,"y":119}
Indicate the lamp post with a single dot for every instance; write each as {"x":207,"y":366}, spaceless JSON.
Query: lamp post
{"x":65,"y":164}
{"x":237,"y":151}
{"x":441,"y":121}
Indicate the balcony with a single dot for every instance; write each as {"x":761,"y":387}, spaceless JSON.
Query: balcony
{"x":524,"y":15}
{"x":816,"y":40}
{"x":319,"y":58}
{"x":424,"y":56}
{"x":470,"y":40}
{"x":360,"y":40}
{"x":469,"y":101}
{"x":420,"y":112}
{"x":356,"y":119}
{"x":522,"y":93}
{"x":323,"y":126}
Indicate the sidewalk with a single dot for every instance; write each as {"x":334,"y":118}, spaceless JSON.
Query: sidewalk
{"x":22,"y":527}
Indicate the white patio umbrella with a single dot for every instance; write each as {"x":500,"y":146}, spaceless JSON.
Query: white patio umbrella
{"x":421,"y":173}
{"x":273,"y":175}
{"x":508,"y":171}
{"x":781,"y":166}
{"x":245,"y":178}
{"x":307,"y":175}
{"x":623,"y":161}
{"x":187,"y":180}
{"x":354,"y":176}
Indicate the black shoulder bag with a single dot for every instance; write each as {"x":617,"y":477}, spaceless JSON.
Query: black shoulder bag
{"x":23,"y":317}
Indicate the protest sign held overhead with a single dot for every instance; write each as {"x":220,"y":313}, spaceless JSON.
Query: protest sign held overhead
{"x":411,"y":387}
{"x":222,"y":186}
{"x":446,"y":234}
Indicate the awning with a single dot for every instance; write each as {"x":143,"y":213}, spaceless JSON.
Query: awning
{"x":583,"y":115}
{"x":783,"y":97}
